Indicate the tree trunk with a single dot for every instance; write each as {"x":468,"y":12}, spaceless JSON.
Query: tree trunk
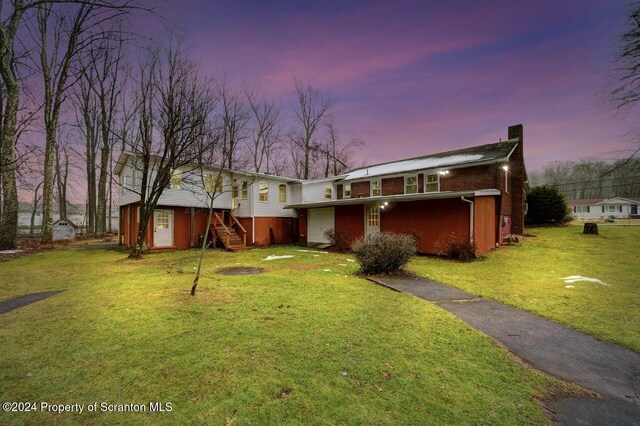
{"x":47,"y":189}
{"x":101,"y":222}
{"x":9,"y":221}
{"x":36,"y":200}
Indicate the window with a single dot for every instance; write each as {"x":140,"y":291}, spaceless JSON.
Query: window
{"x":234,"y":191}
{"x":346,"y":190}
{"x":376,"y":188}
{"x":432,"y":183}
{"x":176,"y":179}
{"x":162,"y":220}
{"x":245,"y":190}
{"x":264,"y":191}
{"x":219,"y":184}
{"x":581,"y":209}
{"x":282,"y":193}
{"x":411,"y":185}
{"x":373,"y":217}
{"x":611,"y":209}
{"x":328,"y":193}
{"x":134,"y":181}
{"x":208,"y":183}
{"x":123,"y":184}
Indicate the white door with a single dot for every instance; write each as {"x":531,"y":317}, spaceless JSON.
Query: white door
{"x":318,"y":221}
{"x":163,"y":228}
{"x":372,"y":220}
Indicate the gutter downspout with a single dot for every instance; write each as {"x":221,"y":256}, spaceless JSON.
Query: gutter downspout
{"x":470,"y":218}
{"x":253,"y":218}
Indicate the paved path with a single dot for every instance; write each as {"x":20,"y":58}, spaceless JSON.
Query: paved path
{"x":27,"y":299}
{"x":610,"y":370}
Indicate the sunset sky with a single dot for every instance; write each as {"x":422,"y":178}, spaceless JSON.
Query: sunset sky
{"x":418,"y":77}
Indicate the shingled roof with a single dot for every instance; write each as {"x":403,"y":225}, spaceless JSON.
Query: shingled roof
{"x":490,"y":153}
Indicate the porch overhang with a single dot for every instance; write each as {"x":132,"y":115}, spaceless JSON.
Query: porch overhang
{"x":395,"y":198}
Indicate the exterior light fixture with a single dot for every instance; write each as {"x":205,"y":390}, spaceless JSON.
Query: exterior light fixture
{"x":505,"y":168}
{"x":382,"y":207}
{"x":443,"y":172}
{"x":386,"y":204}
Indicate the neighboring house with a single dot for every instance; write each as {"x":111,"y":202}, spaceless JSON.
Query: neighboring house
{"x":475,"y":193}
{"x":599,"y":208}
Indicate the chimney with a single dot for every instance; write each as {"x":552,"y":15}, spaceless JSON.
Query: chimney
{"x":515,"y":132}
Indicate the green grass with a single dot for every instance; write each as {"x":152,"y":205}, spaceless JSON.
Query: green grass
{"x":529,"y":277}
{"x":294,"y":345}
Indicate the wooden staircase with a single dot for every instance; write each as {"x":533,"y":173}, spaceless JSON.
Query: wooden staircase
{"x":233,"y":236}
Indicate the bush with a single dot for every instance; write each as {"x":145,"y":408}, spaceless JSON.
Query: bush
{"x":339,"y":239}
{"x":456,"y":248}
{"x":384,"y":253}
{"x":547,"y":205}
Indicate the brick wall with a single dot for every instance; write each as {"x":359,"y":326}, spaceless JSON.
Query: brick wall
{"x":518,"y":172}
{"x":339,"y":192}
{"x":393,"y":186}
{"x":421,"y":182}
{"x":360,"y":189}
{"x":470,"y":178}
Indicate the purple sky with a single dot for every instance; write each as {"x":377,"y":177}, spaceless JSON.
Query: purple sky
{"x":413,"y":78}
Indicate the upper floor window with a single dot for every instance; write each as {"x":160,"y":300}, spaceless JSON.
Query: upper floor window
{"x":328,"y":193}
{"x":282,"y":193}
{"x":346,"y":190}
{"x":376,"y":188}
{"x":245,"y":190}
{"x":123,"y":184}
{"x":432,"y":183}
{"x":263,"y":186}
{"x":234,"y":191}
{"x":208,"y":183}
{"x":176,"y":179}
{"x":411,"y":185}
{"x":219,"y":184}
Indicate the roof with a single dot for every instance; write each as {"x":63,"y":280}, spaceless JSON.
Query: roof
{"x":394,"y":198}
{"x":481,"y":154}
{"x":585,"y":202}
{"x":124,"y":156}
{"x":66,"y":220}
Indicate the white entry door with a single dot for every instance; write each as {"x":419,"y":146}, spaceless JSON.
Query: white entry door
{"x":163,"y":228}
{"x":372,"y":220}
{"x":319,"y":221}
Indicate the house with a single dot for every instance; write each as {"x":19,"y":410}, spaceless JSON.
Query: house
{"x":63,"y":230}
{"x":475,"y":193}
{"x":599,"y":208}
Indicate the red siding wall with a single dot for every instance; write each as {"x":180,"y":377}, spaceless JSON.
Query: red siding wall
{"x":350,"y":220}
{"x":429,"y":220}
{"x":275,"y":230}
{"x":302,"y":226}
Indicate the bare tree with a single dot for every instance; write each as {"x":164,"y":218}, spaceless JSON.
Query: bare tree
{"x":234,"y":120}
{"x":174,"y":108}
{"x":265,"y":131}
{"x":337,"y":157}
{"x":34,"y":209}
{"x":312,"y":105}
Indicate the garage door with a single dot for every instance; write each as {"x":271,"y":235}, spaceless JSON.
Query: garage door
{"x":319,"y":220}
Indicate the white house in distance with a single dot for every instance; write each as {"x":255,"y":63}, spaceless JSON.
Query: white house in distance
{"x":599,"y":208}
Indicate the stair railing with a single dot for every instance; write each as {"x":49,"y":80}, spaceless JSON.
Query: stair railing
{"x":238,"y":226}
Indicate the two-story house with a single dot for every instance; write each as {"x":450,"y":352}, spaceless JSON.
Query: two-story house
{"x":476,"y":193}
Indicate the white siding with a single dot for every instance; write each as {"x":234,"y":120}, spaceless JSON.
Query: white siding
{"x":320,"y":220}
{"x":273,"y":207}
{"x":595,"y":212}
{"x":314,"y":191}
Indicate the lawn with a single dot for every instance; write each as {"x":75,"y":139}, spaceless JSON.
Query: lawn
{"x":529,"y":277}
{"x":305,"y":342}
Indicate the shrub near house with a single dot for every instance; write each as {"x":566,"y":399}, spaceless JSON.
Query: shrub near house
{"x":384,"y":253}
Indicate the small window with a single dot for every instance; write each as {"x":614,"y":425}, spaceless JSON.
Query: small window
{"x":376,"y":188}
{"x":219,"y":184}
{"x":234,"y":191}
{"x":245,"y":190}
{"x":411,"y":185}
{"x":328,"y":193}
{"x":264,"y":190}
{"x":62,"y":223}
{"x":134,"y":181}
{"x":346,"y":190}
{"x":176,"y":179}
{"x":208,"y":183}
{"x":282,"y":193}
{"x":123,"y":184}
{"x":432,"y":184}
{"x":611,"y":209}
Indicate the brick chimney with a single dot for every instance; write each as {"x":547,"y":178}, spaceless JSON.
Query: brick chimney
{"x":518,"y":173}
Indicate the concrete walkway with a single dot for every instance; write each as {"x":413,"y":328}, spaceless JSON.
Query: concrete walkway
{"x":608,"y":369}
{"x":27,"y":299}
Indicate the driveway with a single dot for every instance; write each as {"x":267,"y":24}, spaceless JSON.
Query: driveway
{"x":608,"y":369}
